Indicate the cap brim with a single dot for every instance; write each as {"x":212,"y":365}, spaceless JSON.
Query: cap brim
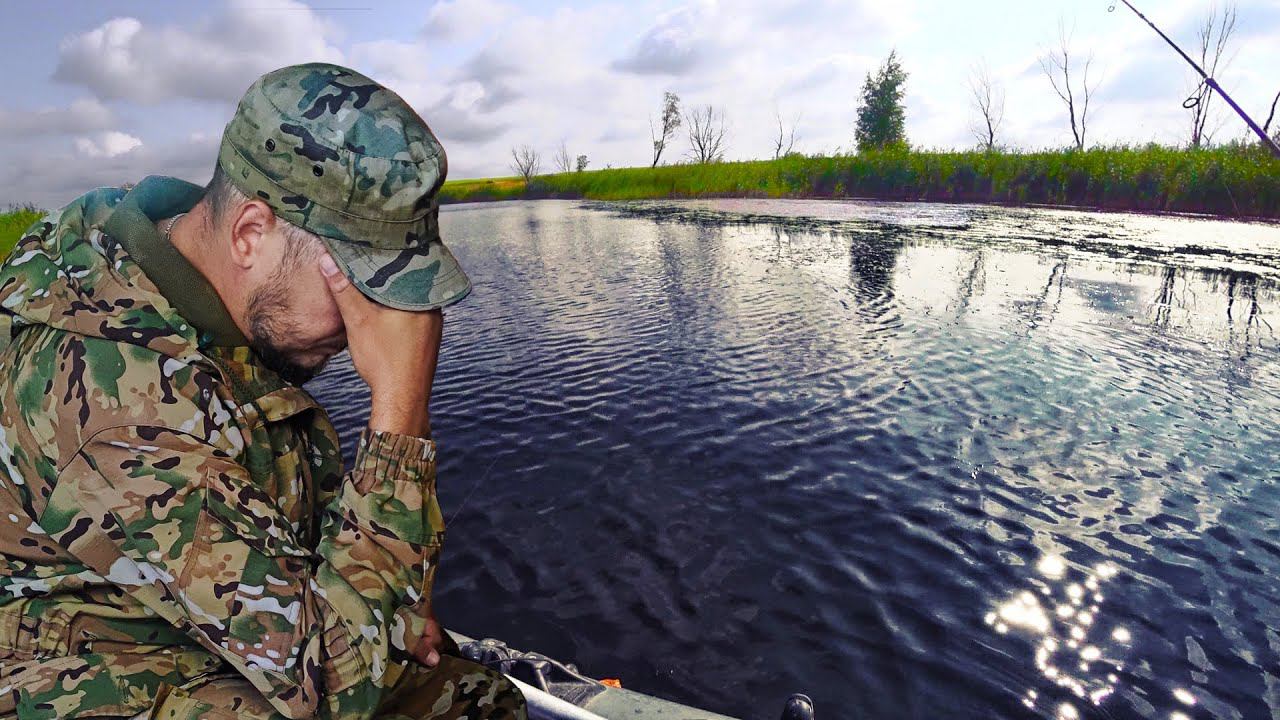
{"x":416,"y":278}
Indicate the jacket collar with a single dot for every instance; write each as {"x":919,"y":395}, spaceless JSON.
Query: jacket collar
{"x":132,"y":224}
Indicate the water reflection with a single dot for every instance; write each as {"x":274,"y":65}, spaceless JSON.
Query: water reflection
{"x":1144,"y":368}
{"x":807,"y":454}
{"x":974,"y":282}
{"x":1182,"y":259}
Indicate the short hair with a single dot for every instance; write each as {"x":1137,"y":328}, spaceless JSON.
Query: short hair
{"x":222,"y":195}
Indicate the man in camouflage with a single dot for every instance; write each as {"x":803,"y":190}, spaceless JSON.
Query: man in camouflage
{"x":179,"y":538}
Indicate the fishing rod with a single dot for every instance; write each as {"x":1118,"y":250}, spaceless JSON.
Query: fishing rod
{"x":1213,"y":84}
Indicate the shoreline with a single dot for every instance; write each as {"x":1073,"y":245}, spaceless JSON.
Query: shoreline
{"x":1229,"y":183}
{"x":1253,"y":219}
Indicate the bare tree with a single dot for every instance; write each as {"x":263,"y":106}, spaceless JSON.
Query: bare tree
{"x":670,"y":122}
{"x":1272,"y":116}
{"x":525,"y":162}
{"x":582,"y":163}
{"x":564,"y":163}
{"x":1058,"y":65}
{"x":1213,"y":36}
{"x":786,"y":140}
{"x":988,"y":101}
{"x":706,"y":134}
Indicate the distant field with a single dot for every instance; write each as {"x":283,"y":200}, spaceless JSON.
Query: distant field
{"x":1237,"y":181}
{"x":507,"y":188}
{"x":12,"y":224}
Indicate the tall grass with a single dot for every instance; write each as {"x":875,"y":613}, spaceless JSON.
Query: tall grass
{"x":1237,"y":181}
{"x":14,"y":222}
{"x":509,"y":188}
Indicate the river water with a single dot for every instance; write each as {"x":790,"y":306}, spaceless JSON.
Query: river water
{"x":917,"y":461}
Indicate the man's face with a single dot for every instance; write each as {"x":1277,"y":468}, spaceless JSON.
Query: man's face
{"x":294,"y":319}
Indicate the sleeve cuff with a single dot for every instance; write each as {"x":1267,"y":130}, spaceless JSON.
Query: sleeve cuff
{"x":392,"y":455}
{"x":391,"y":489}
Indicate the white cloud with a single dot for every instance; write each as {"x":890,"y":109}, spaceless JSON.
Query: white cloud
{"x":455,"y":118}
{"x":540,"y":79}
{"x":83,"y":115}
{"x":835,"y":68}
{"x":456,"y":105}
{"x":53,"y":176}
{"x":464,"y":19}
{"x":676,"y":43}
{"x":106,"y":144}
{"x":488,"y":75}
{"x":214,"y":60}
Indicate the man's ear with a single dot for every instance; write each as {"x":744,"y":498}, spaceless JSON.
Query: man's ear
{"x":250,"y":224}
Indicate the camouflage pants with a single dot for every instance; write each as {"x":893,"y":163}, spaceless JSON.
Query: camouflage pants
{"x":453,"y":690}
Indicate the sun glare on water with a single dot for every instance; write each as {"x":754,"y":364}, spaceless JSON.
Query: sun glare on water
{"x":1075,"y":648}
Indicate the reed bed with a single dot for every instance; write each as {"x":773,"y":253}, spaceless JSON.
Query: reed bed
{"x":1234,"y":181}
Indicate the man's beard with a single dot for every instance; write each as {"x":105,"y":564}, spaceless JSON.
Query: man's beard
{"x":269,"y":320}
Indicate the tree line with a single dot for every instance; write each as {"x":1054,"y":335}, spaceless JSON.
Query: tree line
{"x":881,"y":110}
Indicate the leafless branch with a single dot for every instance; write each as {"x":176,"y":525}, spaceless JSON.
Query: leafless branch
{"x":1057,"y":65}
{"x":988,"y":101}
{"x":785,"y":143}
{"x":706,"y":134}
{"x":564,"y":163}
{"x":525,"y":162}
{"x":1272,"y":115}
{"x":1087,"y":91}
{"x":1213,"y":36}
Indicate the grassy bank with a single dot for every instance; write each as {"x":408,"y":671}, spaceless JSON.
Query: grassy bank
{"x":1229,"y":181}
{"x":12,"y":223}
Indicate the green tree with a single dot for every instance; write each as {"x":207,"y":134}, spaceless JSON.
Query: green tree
{"x":882,"y":117}
{"x":670,"y":121}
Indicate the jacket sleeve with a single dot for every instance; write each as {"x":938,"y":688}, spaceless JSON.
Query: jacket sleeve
{"x":180,"y":525}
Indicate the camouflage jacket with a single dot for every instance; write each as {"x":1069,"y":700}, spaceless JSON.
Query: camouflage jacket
{"x":170,"y":507}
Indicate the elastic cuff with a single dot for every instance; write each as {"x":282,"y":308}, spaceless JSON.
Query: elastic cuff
{"x":387,"y":455}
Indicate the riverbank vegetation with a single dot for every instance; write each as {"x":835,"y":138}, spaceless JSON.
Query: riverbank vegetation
{"x":1236,"y":180}
{"x":1239,"y":178}
{"x":12,"y":224}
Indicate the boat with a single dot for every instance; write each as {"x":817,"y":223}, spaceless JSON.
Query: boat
{"x":556,"y":690}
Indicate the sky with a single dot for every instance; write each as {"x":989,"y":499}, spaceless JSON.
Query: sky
{"x":107,"y":92}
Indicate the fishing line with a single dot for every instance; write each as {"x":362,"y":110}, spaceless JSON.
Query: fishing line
{"x":470,"y":492}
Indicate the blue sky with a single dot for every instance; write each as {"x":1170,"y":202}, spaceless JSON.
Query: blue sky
{"x":108,"y":92}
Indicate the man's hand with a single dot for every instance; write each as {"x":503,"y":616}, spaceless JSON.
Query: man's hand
{"x":395,"y":351}
{"x":431,"y":643}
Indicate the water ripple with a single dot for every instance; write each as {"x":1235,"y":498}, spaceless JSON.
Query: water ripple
{"x":730,"y":450}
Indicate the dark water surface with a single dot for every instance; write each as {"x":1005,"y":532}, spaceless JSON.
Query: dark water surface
{"x":919,"y":461}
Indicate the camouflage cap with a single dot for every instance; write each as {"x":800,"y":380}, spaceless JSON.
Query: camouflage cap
{"x":340,"y":155}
